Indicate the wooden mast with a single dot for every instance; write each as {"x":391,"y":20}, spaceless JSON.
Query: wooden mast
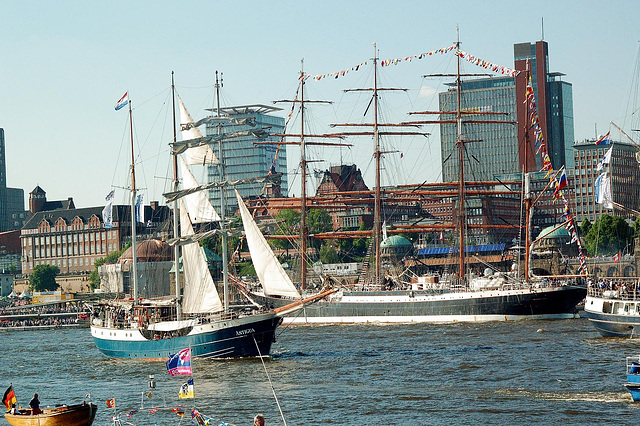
{"x":528,"y":202}
{"x":304,"y":233}
{"x":461,"y":222}
{"x":303,"y":194}
{"x":376,"y":155}
{"x":176,"y":231}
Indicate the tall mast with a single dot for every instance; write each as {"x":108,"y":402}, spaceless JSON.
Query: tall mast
{"x":376,"y":154}
{"x":304,"y":233}
{"x":462,"y":222}
{"x":461,"y":116}
{"x":176,"y":248}
{"x":528,"y":202}
{"x":303,"y":195}
{"x":134,"y":257}
{"x":223,"y":190}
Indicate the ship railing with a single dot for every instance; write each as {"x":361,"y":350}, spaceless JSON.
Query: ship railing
{"x":622,"y":293}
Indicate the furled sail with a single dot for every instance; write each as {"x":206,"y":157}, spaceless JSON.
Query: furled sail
{"x":200,"y":294}
{"x":197,"y":204}
{"x":202,"y":154}
{"x":272,"y":276}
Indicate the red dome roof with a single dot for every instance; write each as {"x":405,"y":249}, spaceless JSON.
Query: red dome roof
{"x":148,"y":251}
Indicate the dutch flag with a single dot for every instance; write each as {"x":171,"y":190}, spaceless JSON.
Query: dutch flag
{"x":603,"y":139}
{"x":124,"y":100}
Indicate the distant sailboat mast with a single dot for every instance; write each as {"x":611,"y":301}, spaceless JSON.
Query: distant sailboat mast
{"x":223,"y":189}
{"x":304,"y":233}
{"x":134,"y":257}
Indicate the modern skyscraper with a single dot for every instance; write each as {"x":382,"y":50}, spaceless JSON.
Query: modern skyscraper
{"x":242,"y":159}
{"x":554,"y":100}
{"x":494,"y":148}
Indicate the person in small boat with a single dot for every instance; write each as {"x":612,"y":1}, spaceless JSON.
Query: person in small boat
{"x":258,"y":420}
{"x":35,"y":405}
{"x":14,"y":409}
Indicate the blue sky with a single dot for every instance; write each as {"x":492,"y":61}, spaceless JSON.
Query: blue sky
{"x":65,"y":64}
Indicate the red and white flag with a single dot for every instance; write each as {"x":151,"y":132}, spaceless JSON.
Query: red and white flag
{"x":616,"y":257}
{"x":441,"y":238}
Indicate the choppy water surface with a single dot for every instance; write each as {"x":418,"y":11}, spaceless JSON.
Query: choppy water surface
{"x":530,"y":372}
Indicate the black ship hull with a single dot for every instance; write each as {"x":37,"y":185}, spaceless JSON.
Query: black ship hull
{"x":422,"y":306}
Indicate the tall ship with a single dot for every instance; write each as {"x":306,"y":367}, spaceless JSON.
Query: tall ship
{"x":458,"y":297}
{"x":198,"y":318}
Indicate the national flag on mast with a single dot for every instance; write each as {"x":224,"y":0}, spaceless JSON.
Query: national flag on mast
{"x":180,"y":364}
{"x":562,"y":182}
{"x":603,"y":139}
{"x":9,"y":398}
{"x":124,"y":100}
{"x":111,"y":403}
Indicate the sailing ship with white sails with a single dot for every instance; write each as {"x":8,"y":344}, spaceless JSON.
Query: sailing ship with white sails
{"x":200,"y":319}
{"x":504,"y":297}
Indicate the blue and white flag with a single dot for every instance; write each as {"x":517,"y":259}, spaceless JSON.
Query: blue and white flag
{"x":605,"y":160}
{"x":107,"y":211}
{"x":124,"y":100}
{"x":139,"y":209}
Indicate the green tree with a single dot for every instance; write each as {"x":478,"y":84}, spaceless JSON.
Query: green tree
{"x":608,"y":235}
{"x":328,"y":253}
{"x":43,"y":278}
{"x":318,"y":221}
{"x":287,"y":223}
{"x":585,"y":226}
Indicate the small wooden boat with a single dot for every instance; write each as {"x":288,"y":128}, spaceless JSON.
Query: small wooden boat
{"x":64,"y":415}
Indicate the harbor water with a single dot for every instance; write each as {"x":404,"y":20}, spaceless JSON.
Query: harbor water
{"x":528,"y":372}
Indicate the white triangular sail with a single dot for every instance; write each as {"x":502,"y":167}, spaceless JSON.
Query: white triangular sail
{"x":200,"y":294}
{"x":272,"y":276}
{"x":198,"y":155}
{"x":198,"y":205}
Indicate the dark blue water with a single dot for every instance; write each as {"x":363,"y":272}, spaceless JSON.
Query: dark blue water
{"x":530,"y":372}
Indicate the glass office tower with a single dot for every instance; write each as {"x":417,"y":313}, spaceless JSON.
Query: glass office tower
{"x":492,"y":148}
{"x":243,"y":159}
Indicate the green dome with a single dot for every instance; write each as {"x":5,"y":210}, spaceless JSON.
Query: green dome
{"x":396,"y":241}
{"x":558,"y":233}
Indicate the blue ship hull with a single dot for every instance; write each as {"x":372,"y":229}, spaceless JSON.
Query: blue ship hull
{"x":250,"y":336}
{"x":612,"y":325}
{"x":634,"y":390}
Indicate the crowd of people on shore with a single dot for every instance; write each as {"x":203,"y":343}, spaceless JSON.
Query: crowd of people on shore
{"x":52,"y":315}
{"x":42,"y":309}
{"x":39,"y":322}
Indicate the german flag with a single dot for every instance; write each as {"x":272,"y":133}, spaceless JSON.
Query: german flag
{"x":9,"y":398}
